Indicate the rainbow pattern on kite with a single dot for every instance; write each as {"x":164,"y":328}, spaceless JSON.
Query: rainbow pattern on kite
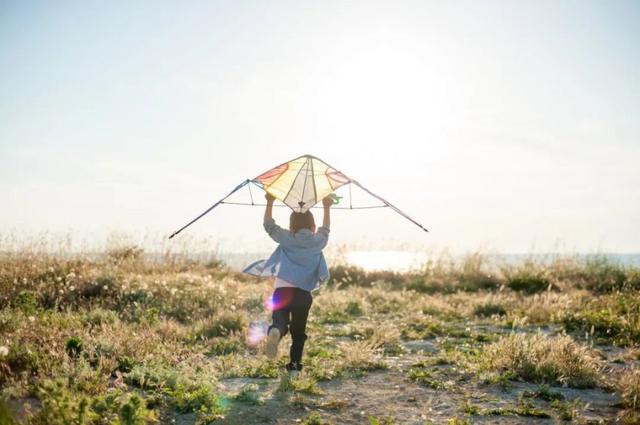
{"x":300,"y":184}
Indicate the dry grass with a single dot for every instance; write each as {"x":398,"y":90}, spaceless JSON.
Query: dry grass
{"x":75,"y":327}
{"x":543,"y":359}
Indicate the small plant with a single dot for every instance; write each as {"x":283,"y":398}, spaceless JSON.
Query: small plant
{"x":385,"y":420}
{"x":566,"y":411}
{"x":628,"y":386}
{"x":73,"y":346}
{"x":126,"y":364}
{"x":249,"y":394}
{"x":314,"y":418}
{"x":222,"y":346}
{"x":27,"y":302}
{"x":489,"y":309}
{"x":544,"y":393}
{"x":224,"y":325}
{"x":134,"y":411}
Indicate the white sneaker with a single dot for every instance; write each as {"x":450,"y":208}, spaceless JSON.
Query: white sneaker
{"x":273,"y":339}
{"x":294,"y":374}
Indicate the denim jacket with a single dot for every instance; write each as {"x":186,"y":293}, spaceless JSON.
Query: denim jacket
{"x":298,"y":259}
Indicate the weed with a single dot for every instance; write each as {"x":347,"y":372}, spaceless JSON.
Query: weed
{"x":314,"y":418}
{"x":73,"y":346}
{"x":544,"y":393}
{"x":249,"y":394}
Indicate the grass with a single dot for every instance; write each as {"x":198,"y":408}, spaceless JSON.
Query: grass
{"x":118,"y":336}
{"x":543,"y":359}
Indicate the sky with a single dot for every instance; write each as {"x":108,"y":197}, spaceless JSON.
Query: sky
{"x":499,"y":125}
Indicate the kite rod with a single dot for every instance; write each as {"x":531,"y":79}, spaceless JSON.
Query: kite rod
{"x":210,"y":208}
{"x":366,"y":207}
{"x":393,"y":207}
{"x":387,"y":203}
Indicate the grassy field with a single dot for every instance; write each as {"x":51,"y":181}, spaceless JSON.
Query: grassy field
{"x":119,"y":339}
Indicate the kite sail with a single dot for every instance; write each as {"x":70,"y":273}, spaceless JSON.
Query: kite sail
{"x":300,"y":184}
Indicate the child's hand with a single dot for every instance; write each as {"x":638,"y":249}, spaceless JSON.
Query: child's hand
{"x":327,"y":201}
{"x":269,"y":197}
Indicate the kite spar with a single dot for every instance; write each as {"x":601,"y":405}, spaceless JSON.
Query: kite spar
{"x":300,"y":184}
{"x":238,"y":187}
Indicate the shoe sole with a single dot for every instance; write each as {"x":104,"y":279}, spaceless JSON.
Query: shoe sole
{"x":273,"y":339}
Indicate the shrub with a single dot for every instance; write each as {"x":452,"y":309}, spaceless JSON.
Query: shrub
{"x":528,"y":283}
{"x":629,"y":389}
{"x":60,"y":406}
{"x":224,"y":325}
{"x":222,"y":346}
{"x":26,"y":301}
{"x":489,"y":309}
{"x":543,"y":359}
{"x":21,"y":358}
{"x":606,"y":325}
{"x":602,"y":275}
{"x":100,"y":316}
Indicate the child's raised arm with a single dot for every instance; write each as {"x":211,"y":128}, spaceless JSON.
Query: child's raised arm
{"x":268,"y":211}
{"x":277,"y":233}
{"x":326,"y":219}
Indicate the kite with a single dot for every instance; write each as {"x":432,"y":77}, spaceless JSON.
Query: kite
{"x":300,"y":184}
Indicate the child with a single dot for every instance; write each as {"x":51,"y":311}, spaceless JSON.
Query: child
{"x":298,"y":265}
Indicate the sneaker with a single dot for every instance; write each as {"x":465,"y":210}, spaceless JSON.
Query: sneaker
{"x":273,"y":339}
{"x":294,"y":369}
{"x":294,"y":373}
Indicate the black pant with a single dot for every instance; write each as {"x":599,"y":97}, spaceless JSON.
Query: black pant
{"x":290,"y":311}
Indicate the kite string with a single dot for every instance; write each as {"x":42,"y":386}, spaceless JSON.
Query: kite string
{"x":350,"y":199}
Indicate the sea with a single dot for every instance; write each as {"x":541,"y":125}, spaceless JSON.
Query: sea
{"x":404,"y":261}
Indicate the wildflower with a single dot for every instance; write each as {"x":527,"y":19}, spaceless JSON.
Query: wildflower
{"x":32,"y":319}
{"x":4,"y":351}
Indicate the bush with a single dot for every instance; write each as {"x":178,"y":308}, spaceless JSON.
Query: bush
{"x":527,"y":283}
{"x":21,"y":358}
{"x":606,"y":325}
{"x":223,"y":346}
{"x":629,"y":388}
{"x":100,"y":316}
{"x":27,"y":302}
{"x":603,"y":276}
{"x":224,"y":325}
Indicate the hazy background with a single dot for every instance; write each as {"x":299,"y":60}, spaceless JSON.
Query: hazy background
{"x":506,"y":126}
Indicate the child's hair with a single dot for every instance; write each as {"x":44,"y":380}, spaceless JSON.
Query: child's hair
{"x":299,"y":221}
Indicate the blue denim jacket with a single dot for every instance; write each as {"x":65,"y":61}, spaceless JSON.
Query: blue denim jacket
{"x":298,"y":258}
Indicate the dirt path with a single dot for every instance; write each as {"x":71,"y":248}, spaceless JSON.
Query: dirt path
{"x":390,"y":396}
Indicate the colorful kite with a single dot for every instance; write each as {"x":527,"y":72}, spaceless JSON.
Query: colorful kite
{"x":300,"y":184}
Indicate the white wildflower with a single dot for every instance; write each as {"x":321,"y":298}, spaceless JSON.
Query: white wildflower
{"x":4,"y":351}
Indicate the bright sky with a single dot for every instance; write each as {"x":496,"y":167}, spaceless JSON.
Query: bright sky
{"x":508,"y":126}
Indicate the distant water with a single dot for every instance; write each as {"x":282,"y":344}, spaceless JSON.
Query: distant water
{"x":402,"y":261}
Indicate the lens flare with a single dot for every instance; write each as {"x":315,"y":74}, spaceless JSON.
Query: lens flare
{"x":280,"y":299}
{"x":257,"y":332}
